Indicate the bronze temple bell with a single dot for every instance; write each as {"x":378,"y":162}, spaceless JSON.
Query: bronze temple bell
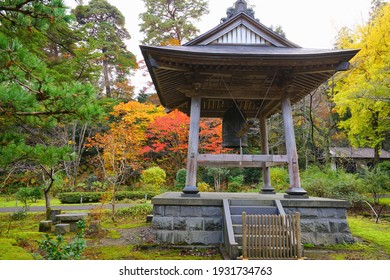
{"x":232,"y":126}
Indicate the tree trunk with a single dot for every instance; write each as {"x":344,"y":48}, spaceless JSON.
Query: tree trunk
{"x":377,"y":149}
{"x":47,"y":190}
{"x":47,"y":203}
{"x":106,"y":74}
{"x":375,"y":125}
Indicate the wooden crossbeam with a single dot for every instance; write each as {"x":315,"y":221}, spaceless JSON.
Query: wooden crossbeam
{"x":229,"y":160}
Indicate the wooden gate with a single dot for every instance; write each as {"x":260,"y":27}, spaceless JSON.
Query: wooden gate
{"x":271,"y":236}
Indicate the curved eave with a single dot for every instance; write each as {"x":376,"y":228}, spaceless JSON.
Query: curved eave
{"x":247,"y":51}
{"x":255,"y":76}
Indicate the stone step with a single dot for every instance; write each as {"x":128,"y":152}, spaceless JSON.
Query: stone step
{"x":45,"y":226}
{"x":236,"y":219}
{"x":237,"y":229}
{"x":238,"y":238}
{"x":264,"y":210}
{"x":236,"y":202}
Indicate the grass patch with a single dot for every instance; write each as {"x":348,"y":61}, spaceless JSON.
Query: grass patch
{"x":373,"y":244}
{"x":370,"y":231}
{"x":385,"y":200}
{"x":11,"y":202}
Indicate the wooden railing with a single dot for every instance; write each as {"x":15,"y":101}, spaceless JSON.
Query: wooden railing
{"x":231,"y":245}
{"x":271,"y":236}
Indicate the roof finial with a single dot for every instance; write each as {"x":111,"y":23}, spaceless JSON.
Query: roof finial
{"x":240,"y":6}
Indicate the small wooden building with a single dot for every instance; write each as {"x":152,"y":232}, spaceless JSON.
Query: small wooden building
{"x":244,"y":65}
{"x":354,"y":159}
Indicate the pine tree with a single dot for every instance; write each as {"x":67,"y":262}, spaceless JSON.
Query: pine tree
{"x":104,"y":27}
{"x":171,"y":22}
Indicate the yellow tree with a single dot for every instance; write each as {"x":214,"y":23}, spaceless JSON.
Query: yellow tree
{"x":363,"y":94}
{"x":119,"y":149}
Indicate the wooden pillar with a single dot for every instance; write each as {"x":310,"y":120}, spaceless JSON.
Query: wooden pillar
{"x":291,"y":147}
{"x":190,"y":188}
{"x":267,"y":188}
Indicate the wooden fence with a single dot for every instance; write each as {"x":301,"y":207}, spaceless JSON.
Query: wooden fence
{"x":271,"y":236}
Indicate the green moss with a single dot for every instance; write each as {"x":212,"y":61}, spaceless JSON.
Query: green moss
{"x":113,"y":234}
{"x":9,"y":250}
{"x":372,"y":232}
{"x":135,"y":225}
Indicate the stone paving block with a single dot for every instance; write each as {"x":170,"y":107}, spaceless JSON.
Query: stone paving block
{"x":211,"y":211}
{"x":307,"y":226}
{"x":328,"y":213}
{"x":165,"y":237}
{"x":307,"y":213}
{"x":179,"y":223}
{"x":213,"y":224}
{"x":191,"y":211}
{"x":163,"y":223}
{"x":322,"y":226}
{"x":159,"y":210}
{"x":195,"y":223}
{"x":45,"y":226}
{"x":172,"y":211}
{"x":206,"y":237}
{"x":341,"y":213}
{"x":62,"y":229}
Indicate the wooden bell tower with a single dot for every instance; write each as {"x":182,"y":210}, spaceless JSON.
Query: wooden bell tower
{"x":243,"y":64}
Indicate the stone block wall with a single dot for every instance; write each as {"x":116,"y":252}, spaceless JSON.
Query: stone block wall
{"x":188,"y":224}
{"x":323,"y":226}
{"x":179,"y":220}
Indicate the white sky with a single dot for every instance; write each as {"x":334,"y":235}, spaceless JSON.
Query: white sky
{"x":308,"y":23}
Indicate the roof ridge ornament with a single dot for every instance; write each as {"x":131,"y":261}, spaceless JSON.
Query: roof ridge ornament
{"x":241,"y":6}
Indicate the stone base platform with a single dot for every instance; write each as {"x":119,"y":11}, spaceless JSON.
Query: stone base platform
{"x":199,"y":220}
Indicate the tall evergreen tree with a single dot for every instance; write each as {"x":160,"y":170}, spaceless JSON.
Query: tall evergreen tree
{"x":104,"y":26}
{"x":34,"y":97}
{"x":171,"y":22}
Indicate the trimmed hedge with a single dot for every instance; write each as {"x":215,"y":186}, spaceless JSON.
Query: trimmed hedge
{"x":75,"y":197}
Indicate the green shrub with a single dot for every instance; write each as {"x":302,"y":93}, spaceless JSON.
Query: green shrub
{"x":154,"y":176}
{"x":59,"y":249}
{"x":332,"y":184}
{"x":377,"y":180}
{"x":75,"y":197}
{"x":237,"y":179}
{"x":121,"y":195}
{"x":181,"y":178}
{"x":26,"y":195}
{"x":20,"y":214}
{"x":136,"y":210}
{"x":279,"y":178}
{"x":234,"y":187}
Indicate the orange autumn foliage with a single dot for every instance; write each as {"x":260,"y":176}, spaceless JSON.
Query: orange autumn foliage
{"x":120,"y":146}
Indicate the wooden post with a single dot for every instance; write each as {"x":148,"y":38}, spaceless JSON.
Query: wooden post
{"x":291,"y":147}
{"x":267,"y":188}
{"x":190,"y":188}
